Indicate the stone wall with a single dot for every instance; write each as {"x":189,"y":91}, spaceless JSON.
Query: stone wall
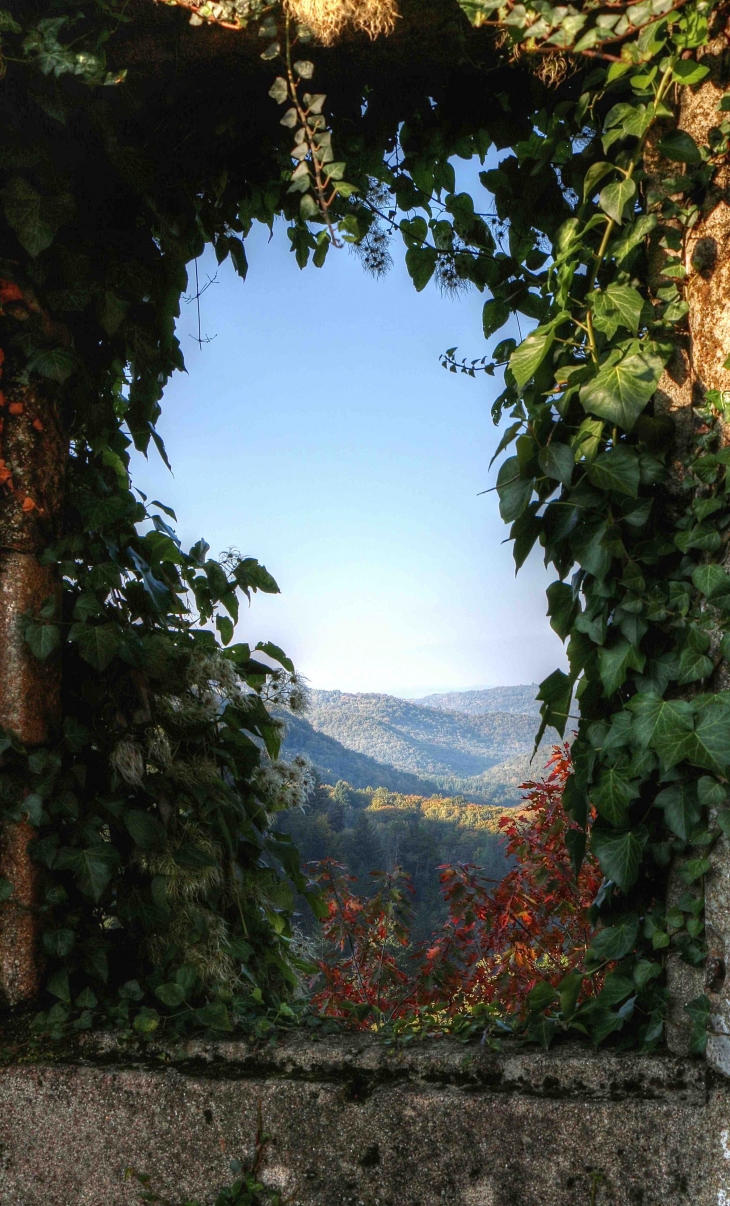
{"x":355,"y":1123}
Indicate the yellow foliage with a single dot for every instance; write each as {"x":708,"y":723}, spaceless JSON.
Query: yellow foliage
{"x":441,"y":808}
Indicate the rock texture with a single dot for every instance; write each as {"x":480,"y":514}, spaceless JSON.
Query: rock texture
{"x":355,"y":1123}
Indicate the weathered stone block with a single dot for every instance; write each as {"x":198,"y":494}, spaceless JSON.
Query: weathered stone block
{"x":355,"y":1123}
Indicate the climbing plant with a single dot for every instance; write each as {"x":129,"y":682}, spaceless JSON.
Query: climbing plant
{"x":632,"y":518}
{"x":166,"y":893}
{"x":587,"y":215}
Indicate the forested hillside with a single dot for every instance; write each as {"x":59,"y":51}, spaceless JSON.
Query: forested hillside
{"x":380,"y":741}
{"x":490,"y":699}
{"x":378,"y":830}
{"x":425,"y":741}
{"x":334,"y":761}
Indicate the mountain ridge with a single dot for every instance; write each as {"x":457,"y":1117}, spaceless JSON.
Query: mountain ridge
{"x":520,"y":699}
{"x":373,"y":739}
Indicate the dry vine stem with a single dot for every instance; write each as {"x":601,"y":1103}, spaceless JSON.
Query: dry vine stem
{"x":30,"y":500}
{"x":328,"y":18}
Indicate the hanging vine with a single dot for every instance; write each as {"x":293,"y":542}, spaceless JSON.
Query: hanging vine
{"x":178,"y":911}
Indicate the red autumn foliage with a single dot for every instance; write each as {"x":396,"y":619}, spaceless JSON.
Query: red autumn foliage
{"x":498,"y":941}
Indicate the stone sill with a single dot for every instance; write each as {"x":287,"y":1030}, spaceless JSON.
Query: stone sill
{"x":356,"y":1123}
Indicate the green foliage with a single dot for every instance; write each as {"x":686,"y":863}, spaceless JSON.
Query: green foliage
{"x":168,"y":890}
{"x":154,"y":810}
{"x":647,"y":594}
{"x":565,"y":245}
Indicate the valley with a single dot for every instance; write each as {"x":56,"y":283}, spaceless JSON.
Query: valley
{"x":475,"y":744}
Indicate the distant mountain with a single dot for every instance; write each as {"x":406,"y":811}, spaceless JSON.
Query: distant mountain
{"x":370,"y":739}
{"x":491,"y":699}
{"x":334,"y":761}
{"x":422,"y":740}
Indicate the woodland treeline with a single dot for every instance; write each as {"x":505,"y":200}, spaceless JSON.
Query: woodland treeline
{"x":375,"y":830}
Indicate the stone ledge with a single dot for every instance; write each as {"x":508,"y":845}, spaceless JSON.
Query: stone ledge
{"x":355,"y":1123}
{"x":569,"y":1071}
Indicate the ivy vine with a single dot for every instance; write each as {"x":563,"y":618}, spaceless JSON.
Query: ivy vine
{"x":182,"y":912}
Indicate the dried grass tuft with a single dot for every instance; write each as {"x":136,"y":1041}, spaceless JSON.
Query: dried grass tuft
{"x":328,"y":18}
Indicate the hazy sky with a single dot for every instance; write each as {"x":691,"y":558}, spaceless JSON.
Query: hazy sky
{"x":318,"y":432}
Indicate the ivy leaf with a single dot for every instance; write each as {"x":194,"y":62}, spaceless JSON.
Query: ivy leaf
{"x":214,"y":1015}
{"x":615,"y":197}
{"x":569,"y":989}
{"x":57,"y":364}
{"x":631,"y":236}
{"x":170,"y":994}
{"x":557,"y":461}
{"x":595,"y":173}
{"x":680,"y":147}
{"x":44,"y":850}
{"x":618,"y":469}
{"x":6,"y":889}
{"x":616,"y":941}
{"x":662,"y":724}
{"x":616,"y":988}
{"x":556,"y":694}
{"x":711,"y":580}
{"x":93,"y":866}
{"x":619,"y":853}
{"x":622,"y":387}
{"x":98,"y":644}
{"x":688,"y":72}
{"x":59,"y":943}
{"x":279,"y":90}
{"x":700,"y":1010}
{"x":529,"y":355}
{"x":680,"y":808}
{"x":144,"y":829}
{"x":694,"y":869}
{"x":87,"y":605}
{"x":7,"y":23}
{"x":421,"y":264}
{"x":308,"y":208}
{"x":542,"y":996}
{"x":628,"y":302}
{"x":58,"y":985}
{"x":514,"y":490}
{"x":693,"y":661}
{"x":709,"y":745}
{"x":43,"y":639}
{"x":146,"y":1020}
{"x":614,"y":663}
{"x":131,"y":991}
{"x":35,"y":218}
{"x":710,"y":793}
{"x":158,"y":592}
{"x":613,"y":793}
{"x":562,"y":608}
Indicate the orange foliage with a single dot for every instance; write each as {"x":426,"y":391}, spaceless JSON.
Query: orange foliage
{"x":498,"y":941}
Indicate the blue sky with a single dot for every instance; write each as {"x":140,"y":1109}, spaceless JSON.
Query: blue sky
{"x":318,"y":432}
